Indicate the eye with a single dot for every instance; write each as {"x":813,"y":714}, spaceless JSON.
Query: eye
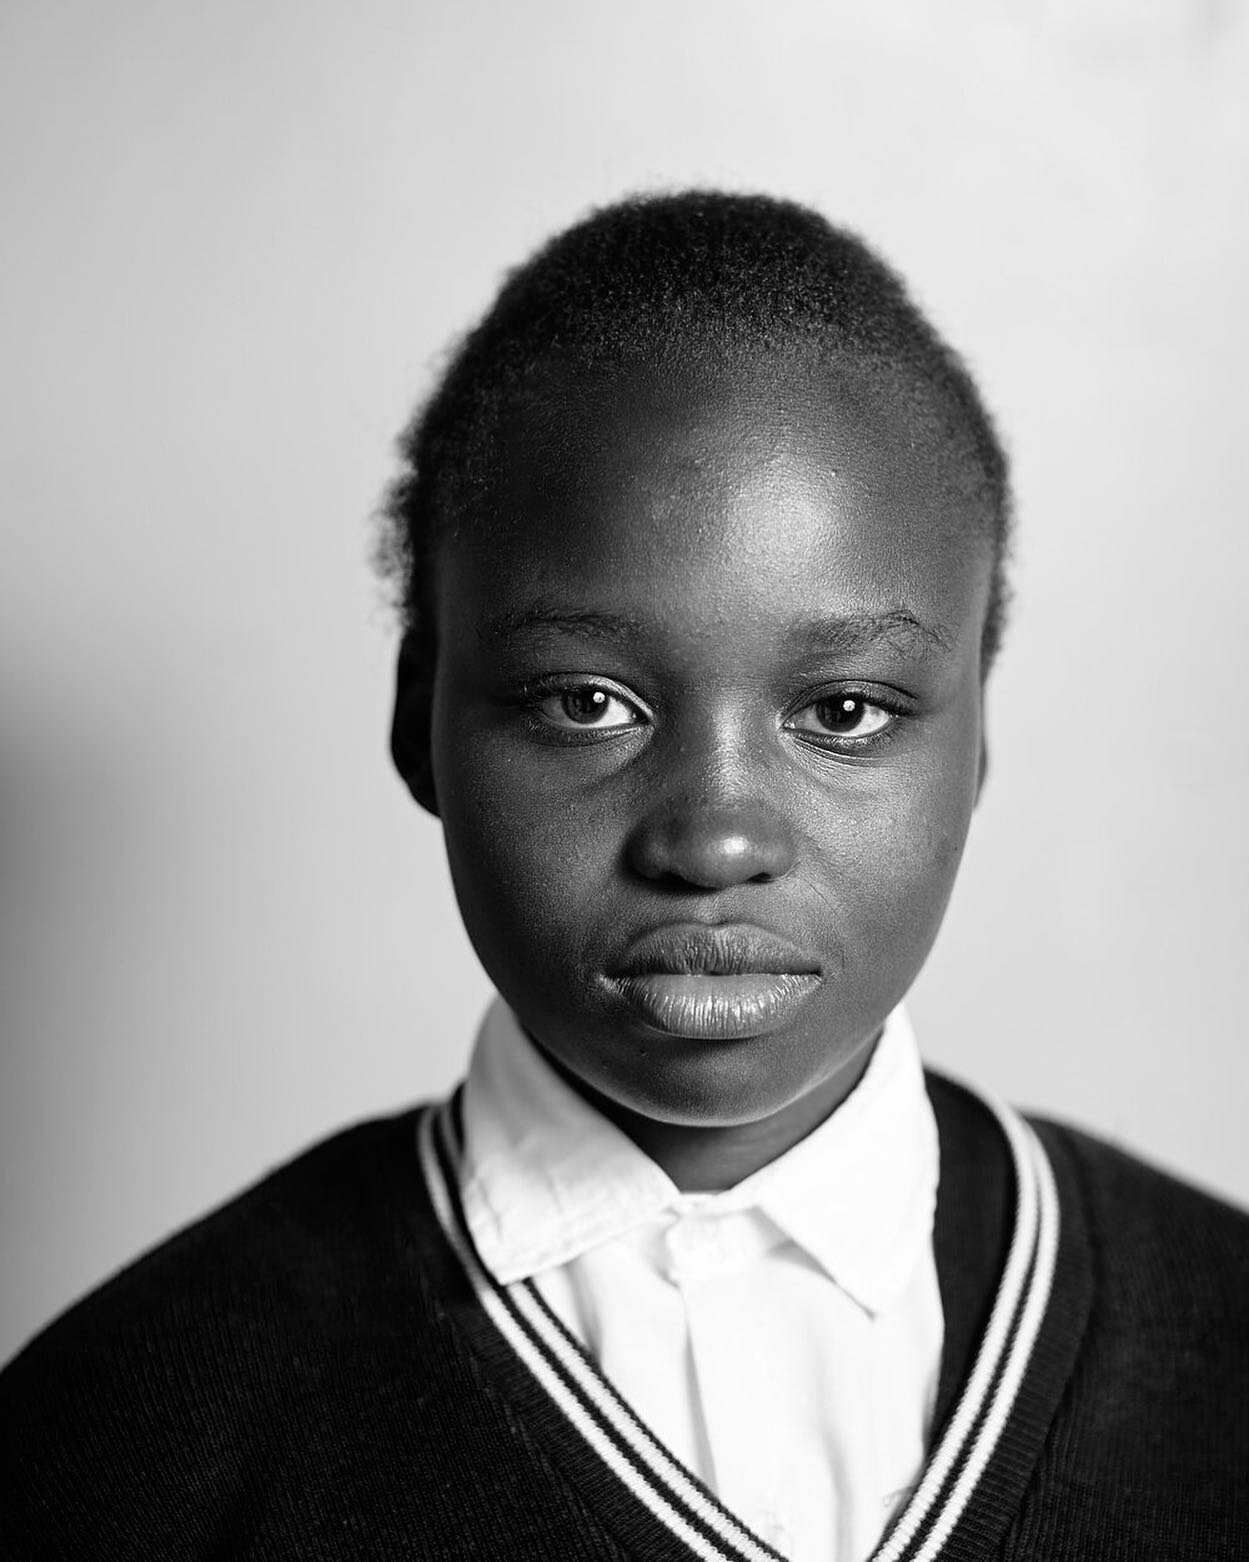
{"x":588,"y":705}
{"x":841,"y":716}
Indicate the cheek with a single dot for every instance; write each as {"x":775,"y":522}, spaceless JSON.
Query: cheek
{"x":526,"y":860}
{"x":920,"y":846}
{"x":891,"y":859}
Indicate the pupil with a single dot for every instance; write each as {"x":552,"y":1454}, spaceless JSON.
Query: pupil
{"x":839,"y":713}
{"x":584,"y":704}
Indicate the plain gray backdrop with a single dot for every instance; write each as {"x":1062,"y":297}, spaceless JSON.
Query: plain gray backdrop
{"x":236,"y":240}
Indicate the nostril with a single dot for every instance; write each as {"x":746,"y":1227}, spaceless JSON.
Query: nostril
{"x":712,"y":848}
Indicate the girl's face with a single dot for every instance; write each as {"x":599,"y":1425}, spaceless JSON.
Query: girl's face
{"x":706,"y":740}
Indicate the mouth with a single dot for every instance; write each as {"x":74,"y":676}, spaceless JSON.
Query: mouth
{"x":714,"y":983}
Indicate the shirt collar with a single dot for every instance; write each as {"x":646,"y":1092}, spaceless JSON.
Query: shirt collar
{"x":546,"y":1177}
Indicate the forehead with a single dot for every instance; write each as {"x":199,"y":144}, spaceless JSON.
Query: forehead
{"x":829,"y":486}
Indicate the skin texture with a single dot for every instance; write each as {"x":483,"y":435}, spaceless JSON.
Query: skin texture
{"x":627,"y":727}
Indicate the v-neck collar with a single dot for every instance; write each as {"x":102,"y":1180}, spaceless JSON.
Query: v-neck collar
{"x":1012,"y":1263}
{"x":545,"y":1177}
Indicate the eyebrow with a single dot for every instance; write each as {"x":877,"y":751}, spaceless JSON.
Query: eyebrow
{"x":542,"y":617}
{"x":843,"y":634}
{"x":898,"y":628}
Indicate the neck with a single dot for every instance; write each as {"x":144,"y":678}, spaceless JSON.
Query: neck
{"x":708,"y":1158}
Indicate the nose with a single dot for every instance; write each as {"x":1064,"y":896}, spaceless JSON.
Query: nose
{"x":712,"y":845}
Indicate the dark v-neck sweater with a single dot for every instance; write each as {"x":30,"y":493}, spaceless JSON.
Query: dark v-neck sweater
{"x":322,"y":1370}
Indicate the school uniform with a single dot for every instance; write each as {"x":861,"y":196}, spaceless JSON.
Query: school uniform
{"x":782,"y":1339}
{"x":328,"y":1367}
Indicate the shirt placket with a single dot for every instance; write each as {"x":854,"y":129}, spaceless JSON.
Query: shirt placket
{"x":705,"y":1251}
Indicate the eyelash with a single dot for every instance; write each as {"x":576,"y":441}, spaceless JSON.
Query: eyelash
{"x":533,"y":695}
{"x":891,"y":709}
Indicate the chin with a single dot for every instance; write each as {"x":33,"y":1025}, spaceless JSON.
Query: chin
{"x":707,"y":1084}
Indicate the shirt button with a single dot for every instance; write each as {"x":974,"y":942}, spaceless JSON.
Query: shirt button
{"x":693,"y":1245}
{"x":772,"y":1528}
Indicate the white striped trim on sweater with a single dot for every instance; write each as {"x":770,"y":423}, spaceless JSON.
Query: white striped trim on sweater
{"x":660,"y":1481}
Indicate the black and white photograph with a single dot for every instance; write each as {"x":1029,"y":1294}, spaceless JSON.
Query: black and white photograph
{"x":623,"y":827}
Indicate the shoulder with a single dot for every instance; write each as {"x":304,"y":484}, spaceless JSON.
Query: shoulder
{"x":200,"y":1357}
{"x":1153,"y":1437}
{"x":289,"y":1230}
{"x":1164,"y":1263}
{"x":1141,"y":1351}
{"x":1169,"y":1250}
{"x":1145,"y":1226}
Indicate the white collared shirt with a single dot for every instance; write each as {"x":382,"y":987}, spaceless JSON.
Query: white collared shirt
{"x":782,"y":1338}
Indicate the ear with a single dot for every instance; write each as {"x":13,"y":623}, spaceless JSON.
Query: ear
{"x":411,"y":745}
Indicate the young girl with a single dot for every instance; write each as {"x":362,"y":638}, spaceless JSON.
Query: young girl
{"x":701,"y":547}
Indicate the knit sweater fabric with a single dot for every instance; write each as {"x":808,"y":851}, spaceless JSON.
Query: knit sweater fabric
{"x":319,"y":1370}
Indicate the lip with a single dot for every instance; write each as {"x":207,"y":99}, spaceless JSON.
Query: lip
{"x":701,"y":949}
{"x":714,"y":983}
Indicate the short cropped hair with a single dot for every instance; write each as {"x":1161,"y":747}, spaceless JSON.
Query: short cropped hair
{"x":667,"y":280}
